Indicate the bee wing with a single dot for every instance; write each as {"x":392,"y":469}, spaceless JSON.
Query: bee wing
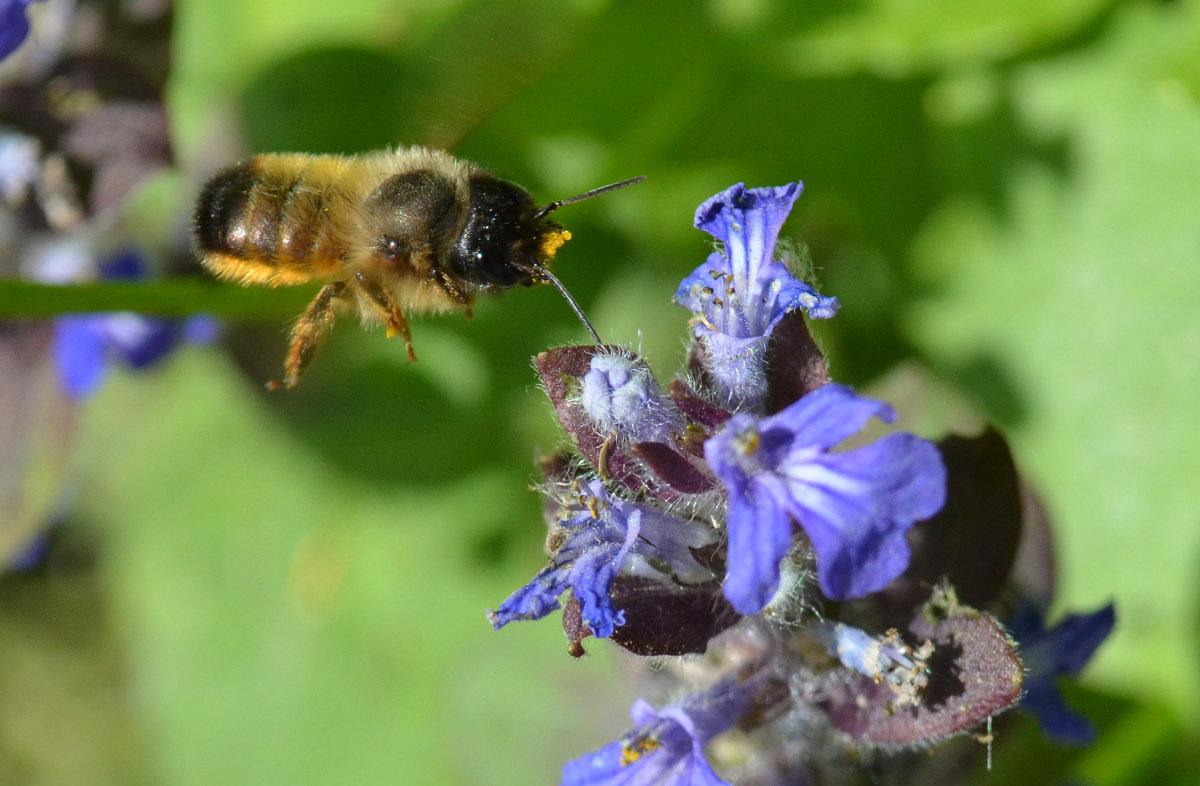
{"x":483,"y":59}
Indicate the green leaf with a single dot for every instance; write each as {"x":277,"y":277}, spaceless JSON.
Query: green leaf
{"x":901,"y":37}
{"x":1082,"y":291}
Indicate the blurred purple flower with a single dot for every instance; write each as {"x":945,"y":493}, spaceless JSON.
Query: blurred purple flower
{"x":855,"y":506}
{"x":1050,"y":653}
{"x":86,"y":345}
{"x":741,"y":293}
{"x":14,"y":25}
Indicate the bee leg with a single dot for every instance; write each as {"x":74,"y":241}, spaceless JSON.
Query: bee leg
{"x":450,"y":288}
{"x":393,"y":317}
{"x":307,"y":335}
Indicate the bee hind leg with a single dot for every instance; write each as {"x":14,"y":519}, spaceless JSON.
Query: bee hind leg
{"x":393,"y":317}
{"x":307,"y":334}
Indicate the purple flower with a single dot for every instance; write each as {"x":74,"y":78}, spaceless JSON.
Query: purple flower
{"x":620,"y":394}
{"x":86,"y":345}
{"x":600,"y":537}
{"x":855,"y":506}
{"x":1048,"y":654}
{"x":14,"y":25}
{"x":667,"y":747}
{"x":741,"y":293}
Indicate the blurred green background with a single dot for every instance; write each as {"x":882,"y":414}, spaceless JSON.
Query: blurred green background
{"x":290,"y":588}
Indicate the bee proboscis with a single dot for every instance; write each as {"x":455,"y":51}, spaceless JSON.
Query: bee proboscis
{"x":390,"y":232}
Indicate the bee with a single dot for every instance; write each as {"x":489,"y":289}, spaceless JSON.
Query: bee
{"x":389,"y":232}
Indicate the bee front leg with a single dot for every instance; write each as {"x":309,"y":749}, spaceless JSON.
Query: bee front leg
{"x":393,"y":317}
{"x":453,"y":291}
{"x":307,"y":334}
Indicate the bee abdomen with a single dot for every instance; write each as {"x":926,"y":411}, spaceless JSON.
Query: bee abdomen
{"x":220,"y":212}
{"x":267,"y":221}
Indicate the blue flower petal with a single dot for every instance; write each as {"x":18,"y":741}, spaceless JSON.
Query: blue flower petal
{"x":80,"y":354}
{"x":587,"y":563}
{"x":127,"y":265}
{"x":605,"y":767}
{"x":1063,"y":726}
{"x":748,"y":221}
{"x":827,"y":416}
{"x":533,"y":601}
{"x":760,"y":534}
{"x":692,"y":292}
{"x":1050,"y":653}
{"x":855,"y":506}
{"x":201,"y":329}
{"x":591,"y":578}
{"x":14,"y":26}
{"x":787,"y":293}
{"x":667,"y":746}
{"x":140,"y":341}
{"x":740,"y":294}
{"x":86,"y":344}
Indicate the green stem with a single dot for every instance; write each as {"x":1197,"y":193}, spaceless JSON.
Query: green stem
{"x":174,"y":297}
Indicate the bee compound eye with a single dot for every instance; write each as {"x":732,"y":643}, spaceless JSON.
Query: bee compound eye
{"x":393,"y":247}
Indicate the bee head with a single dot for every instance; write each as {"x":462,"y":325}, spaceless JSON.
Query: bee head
{"x":498,"y":240}
{"x":506,"y":241}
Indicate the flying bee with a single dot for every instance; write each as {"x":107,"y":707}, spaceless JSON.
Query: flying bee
{"x":390,"y":232}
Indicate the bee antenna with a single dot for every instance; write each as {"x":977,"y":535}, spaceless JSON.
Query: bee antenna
{"x":545,"y":275}
{"x":550,"y":208}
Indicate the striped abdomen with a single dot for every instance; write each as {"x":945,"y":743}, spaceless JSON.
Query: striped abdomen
{"x":278,"y":219}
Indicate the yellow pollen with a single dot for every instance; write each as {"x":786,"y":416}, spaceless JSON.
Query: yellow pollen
{"x":637,"y":749}
{"x":552,"y":241}
{"x":747,"y":443}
